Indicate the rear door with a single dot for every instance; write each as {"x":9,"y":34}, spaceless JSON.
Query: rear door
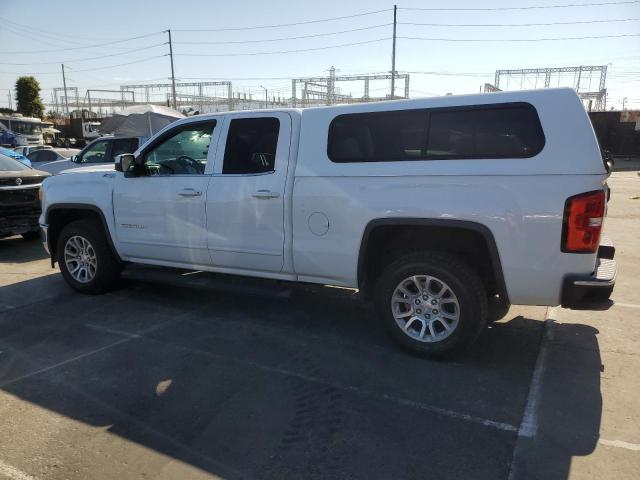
{"x":245,"y":199}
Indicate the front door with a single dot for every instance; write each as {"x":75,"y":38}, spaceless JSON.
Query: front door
{"x":160,"y":213}
{"x":245,"y":201}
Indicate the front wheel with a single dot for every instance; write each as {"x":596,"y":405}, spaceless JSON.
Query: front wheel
{"x":86,"y":260}
{"x":432,"y":304}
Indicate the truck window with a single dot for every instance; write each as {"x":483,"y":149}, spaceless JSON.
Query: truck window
{"x":251,"y":145}
{"x":512,"y":132}
{"x":487,"y":131}
{"x":95,"y":153}
{"x":123,"y":145}
{"x":184,"y":152}
{"x":378,"y":136}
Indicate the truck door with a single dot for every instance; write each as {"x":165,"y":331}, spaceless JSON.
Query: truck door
{"x":160,"y":214}
{"x":245,"y":199}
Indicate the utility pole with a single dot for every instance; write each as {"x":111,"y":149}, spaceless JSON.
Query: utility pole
{"x":393,"y":55}
{"x":10,"y":104}
{"x":266,"y":98}
{"x":173,"y":76}
{"x":64,"y":84}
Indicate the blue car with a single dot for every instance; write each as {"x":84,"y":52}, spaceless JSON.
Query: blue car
{"x":16,"y":156}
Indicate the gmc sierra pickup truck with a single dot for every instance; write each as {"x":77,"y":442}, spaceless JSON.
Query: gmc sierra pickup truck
{"x":441,"y":211}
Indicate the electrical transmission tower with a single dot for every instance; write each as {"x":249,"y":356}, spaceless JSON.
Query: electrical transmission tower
{"x":323,"y":91}
{"x":582,"y":79}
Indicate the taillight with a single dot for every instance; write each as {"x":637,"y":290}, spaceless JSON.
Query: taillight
{"x":583,"y":216}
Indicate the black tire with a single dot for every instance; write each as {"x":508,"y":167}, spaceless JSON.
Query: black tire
{"x":31,"y":236}
{"x":107,"y":270}
{"x":463,"y":282}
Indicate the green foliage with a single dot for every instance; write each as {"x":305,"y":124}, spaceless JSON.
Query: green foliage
{"x":28,"y":97}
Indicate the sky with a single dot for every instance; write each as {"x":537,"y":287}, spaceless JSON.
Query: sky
{"x":212,"y":41}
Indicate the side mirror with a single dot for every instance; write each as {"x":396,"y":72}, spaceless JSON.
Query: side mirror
{"x":74,"y":159}
{"x":129,"y":164}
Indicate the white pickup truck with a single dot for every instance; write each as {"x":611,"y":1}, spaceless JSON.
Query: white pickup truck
{"x":442,"y":211}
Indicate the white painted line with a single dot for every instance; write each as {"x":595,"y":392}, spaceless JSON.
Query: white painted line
{"x":400,"y":401}
{"x":120,"y":333}
{"x":620,"y":444}
{"x":350,"y":388}
{"x":13,"y":473}
{"x":64,"y":362}
{"x":128,"y":338}
{"x":529,"y":424}
{"x":625,"y":305}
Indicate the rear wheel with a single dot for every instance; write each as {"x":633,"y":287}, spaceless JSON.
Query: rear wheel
{"x":432,"y":304}
{"x":85,"y":258}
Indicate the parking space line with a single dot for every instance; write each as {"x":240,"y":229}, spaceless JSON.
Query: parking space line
{"x":64,"y":362}
{"x":625,"y":305}
{"x":112,"y":331}
{"x":620,"y":444}
{"x":529,"y":423}
{"x":128,"y":338}
{"x":350,"y":388}
{"x":13,"y":473}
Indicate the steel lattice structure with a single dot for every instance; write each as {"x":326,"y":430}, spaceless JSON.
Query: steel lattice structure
{"x":323,"y":89}
{"x":584,"y":74}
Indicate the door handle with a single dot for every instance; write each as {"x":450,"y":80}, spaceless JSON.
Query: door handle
{"x":190,"y":192}
{"x":266,"y":194}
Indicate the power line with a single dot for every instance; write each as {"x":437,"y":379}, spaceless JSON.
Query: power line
{"x":435,"y":39}
{"x":51,"y":34}
{"x":530,"y":7}
{"x":281,"y":51}
{"x":516,"y":24}
{"x":84,"y":47}
{"x":120,"y":64}
{"x":88,"y":59}
{"x":88,"y":69}
{"x":308,"y":22}
{"x":285,"y":38}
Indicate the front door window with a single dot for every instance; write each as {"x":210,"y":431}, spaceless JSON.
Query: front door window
{"x":183,"y":153}
{"x":95,"y":153}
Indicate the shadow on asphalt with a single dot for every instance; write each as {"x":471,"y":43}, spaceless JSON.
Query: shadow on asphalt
{"x":18,"y":250}
{"x":248,"y":378}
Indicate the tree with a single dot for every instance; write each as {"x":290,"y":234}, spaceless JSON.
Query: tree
{"x":28,"y":97}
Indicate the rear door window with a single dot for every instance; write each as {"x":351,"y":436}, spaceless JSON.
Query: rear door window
{"x":251,"y":145}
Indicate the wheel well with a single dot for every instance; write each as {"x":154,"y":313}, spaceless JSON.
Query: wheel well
{"x":473,"y":243}
{"x":58,"y":218}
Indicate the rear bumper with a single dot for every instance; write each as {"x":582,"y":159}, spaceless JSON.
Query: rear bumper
{"x":577,"y":288}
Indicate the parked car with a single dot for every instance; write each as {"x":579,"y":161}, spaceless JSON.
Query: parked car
{"x":42,"y":158}
{"x":26,"y":150}
{"x":19,"y":202}
{"x":15,"y":155}
{"x":100,"y":152}
{"x":435,"y":209}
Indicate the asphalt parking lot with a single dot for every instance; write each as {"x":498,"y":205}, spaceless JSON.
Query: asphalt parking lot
{"x":192,"y":375}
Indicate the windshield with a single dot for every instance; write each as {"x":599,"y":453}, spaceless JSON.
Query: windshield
{"x":26,"y":128}
{"x":8,"y":164}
